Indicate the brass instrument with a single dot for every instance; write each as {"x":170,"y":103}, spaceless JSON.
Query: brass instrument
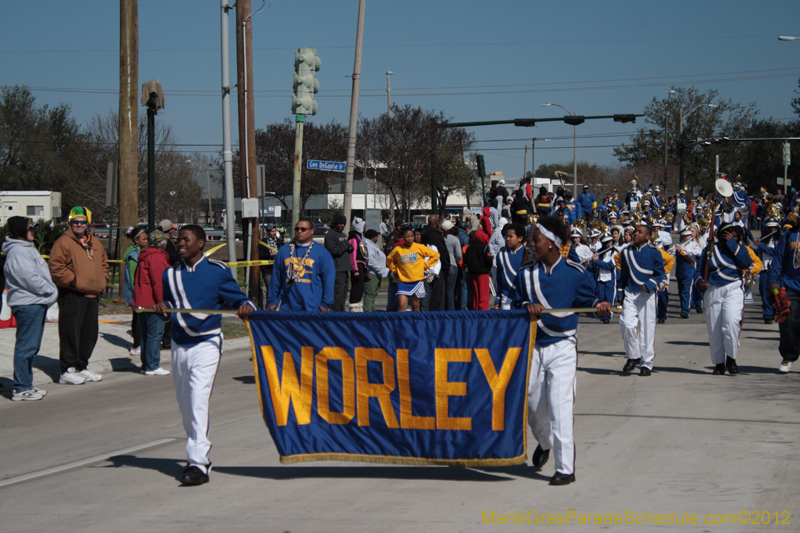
{"x":580,"y":224}
{"x":687,"y":219}
{"x":669,"y":217}
{"x":533,"y":219}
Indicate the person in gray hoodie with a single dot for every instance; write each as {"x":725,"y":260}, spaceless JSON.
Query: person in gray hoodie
{"x":30,"y":292}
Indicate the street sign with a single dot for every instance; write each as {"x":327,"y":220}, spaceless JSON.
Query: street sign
{"x":330,"y":166}
{"x":788,"y":181}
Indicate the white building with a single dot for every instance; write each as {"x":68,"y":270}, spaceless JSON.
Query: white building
{"x":31,"y":204}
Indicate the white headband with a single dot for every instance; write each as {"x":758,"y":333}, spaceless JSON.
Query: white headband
{"x":549,"y":234}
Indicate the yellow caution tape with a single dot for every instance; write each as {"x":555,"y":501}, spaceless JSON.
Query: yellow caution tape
{"x":250,"y":263}
{"x":214,"y":249}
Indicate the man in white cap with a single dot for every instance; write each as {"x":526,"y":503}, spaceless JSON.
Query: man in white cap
{"x":659,"y":224}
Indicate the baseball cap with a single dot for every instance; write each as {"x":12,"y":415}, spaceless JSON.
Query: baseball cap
{"x":165,"y":225}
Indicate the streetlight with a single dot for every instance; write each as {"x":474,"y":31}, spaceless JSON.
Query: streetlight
{"x":574,"y":151}
{"x":389,"y":93}
{"x":207,"y":166}
{"x":666,"y":129}
{"x":533,"y":168}
{"x":787,"y":38}
{"x":681,"y":147}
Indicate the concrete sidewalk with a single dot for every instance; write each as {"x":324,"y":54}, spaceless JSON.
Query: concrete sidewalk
{"x":111,"y":354}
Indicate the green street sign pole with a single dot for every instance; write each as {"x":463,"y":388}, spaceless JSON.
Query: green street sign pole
{"x":298,"y":163}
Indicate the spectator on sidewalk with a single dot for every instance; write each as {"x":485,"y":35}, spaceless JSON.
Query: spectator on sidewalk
{"x":79,"y":267}
{"x":30,"y":292}
{"x":130,"y":260}
{"x":376,"y":262}
{"x":305,"y":275}
{"x":149,"y":291}
{"x":336,"y":243}
{"x":168,"y":228}
{"x":267,"y":253}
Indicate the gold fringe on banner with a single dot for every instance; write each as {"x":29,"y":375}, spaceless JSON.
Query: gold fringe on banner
{"x":389,"y":459}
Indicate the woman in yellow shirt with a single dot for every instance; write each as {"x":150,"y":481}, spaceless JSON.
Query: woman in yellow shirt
{"x":407,"y":264}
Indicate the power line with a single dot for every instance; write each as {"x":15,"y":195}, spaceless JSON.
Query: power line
{"x":380,"y":93}
{"x":417,"y":45}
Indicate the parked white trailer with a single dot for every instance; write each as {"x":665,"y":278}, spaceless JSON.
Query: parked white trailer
{"x":32,"y":204}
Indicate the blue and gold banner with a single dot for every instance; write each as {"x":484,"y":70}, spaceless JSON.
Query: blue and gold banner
{"x":409,"y":388}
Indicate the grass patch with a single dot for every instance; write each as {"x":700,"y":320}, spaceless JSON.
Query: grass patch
{"x":234,"y":329}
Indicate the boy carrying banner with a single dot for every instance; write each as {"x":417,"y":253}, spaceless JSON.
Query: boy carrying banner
{"x":197,"y":283}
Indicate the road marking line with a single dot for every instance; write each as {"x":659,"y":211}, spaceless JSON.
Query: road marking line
{"x":83,"y":462}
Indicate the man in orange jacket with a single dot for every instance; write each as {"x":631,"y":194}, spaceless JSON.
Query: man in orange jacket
{"x":79,"y":267}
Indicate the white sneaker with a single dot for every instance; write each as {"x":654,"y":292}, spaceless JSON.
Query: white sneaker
{"x":157,"y":372}
{"x":40,"y":391}
{"x":70,"y":377}
{"x":785,"y":366}
{"x":136,"y":352}
{"x":28,"y":395}
{"x":89,"y":375}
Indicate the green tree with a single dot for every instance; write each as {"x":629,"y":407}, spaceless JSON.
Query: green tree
{"x":275,"y":150}
{"x":41,"y":148}
{"x":699,"y":121}
{"x":399,"y":152}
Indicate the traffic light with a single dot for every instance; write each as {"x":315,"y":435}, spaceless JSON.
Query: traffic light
{"x":574,"y":120}
{"x":525,"y":122}
{"x":625,"y":118}
{"x":481,"y":166}
{"x":306,"y":64}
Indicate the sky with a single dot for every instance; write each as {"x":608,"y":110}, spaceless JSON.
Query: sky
{"x":474,"y":61}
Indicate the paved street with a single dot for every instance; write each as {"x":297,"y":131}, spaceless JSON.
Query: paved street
{"x":680,"y":441}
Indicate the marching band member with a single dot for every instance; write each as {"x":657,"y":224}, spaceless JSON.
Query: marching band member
{"x":742,"y":223}
{"x":765,"y":248}
{"x":554,"y":282}
{"x":606,"y":272}
{"x":658,"y":203}
{"x":197,"y":283}
{"x":579,"y":252}
{"x":686,"y":257}
{"x":724,"y":299}
{"x":633,"y":196}
{"x":681,"y":208}
{"x":740,"y":200}
{"x":507,"y":263}
{"x":642,"y":270}
{"x":784,"y":286}
{"x":658,"y":225}
{"x":662,"y":294}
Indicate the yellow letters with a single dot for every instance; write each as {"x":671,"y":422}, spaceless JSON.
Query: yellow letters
{"x":407,"y":419}
{"x":498,"y":383}
{"x":367,"y":390}
{"x":286,"y":390}
{"x":348,"y":386}
{"x":445,"y":389}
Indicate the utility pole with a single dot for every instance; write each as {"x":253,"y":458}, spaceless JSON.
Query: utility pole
{"x":247,"y":137}
{"x":389,"y":93}
{"x":353,"y":129}
{"x":666,"y":129}
{"x":227,"y":153}
{"x":128,"y":113}
{"x":525,"y":162}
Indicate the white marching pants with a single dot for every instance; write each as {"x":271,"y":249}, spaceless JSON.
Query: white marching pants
{"x":193,"y":371}
{"x":638,"y":325}
{"x":551,"y":396}
{"x":724,"y":307}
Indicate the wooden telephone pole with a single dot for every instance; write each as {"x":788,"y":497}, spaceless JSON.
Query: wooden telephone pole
{"x":128,"y":113}
{"x":247,"y":137}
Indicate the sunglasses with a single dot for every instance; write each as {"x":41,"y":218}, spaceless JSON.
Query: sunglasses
{"x":302,"y":229}
{"x":79,"y":223}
